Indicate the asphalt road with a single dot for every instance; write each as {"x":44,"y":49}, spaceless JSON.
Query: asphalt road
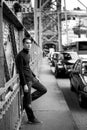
{"x":59,"y":108}
{"x":51,"y":108}
{"x":79,"y":114}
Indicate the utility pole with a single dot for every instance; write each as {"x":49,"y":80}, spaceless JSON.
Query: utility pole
{"x":59,"y":25}
{"x":66,"y":20}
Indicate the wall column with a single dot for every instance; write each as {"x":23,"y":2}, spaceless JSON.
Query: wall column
{"x":1,"y":49}
{"x":37,"y":22}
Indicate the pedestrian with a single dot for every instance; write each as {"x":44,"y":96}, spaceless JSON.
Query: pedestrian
{"x":28,"y":79}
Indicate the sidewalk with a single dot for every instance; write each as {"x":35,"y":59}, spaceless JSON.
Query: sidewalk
{"x":50,"y":108}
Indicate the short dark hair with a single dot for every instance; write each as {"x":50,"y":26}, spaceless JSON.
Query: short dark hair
{"x":24,"y":39}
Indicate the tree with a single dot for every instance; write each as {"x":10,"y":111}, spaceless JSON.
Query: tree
{"x":78,"y":8}
{"x":17,"y":7}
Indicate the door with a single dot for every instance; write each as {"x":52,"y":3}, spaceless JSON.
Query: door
{"x":75,"y":78}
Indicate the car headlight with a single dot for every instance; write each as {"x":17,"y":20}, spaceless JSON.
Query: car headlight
{"x":85,"y":89}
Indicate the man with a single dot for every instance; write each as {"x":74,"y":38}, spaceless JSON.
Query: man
{"x":28,"y":80}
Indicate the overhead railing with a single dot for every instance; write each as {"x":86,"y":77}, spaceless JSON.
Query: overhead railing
{"x":75,"y":13}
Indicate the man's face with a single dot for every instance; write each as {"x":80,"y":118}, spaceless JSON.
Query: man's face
{"x":27,"y":44}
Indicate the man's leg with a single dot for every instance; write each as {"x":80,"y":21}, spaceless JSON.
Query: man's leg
{"x":27,"y":106}
{"x":40,"y":90}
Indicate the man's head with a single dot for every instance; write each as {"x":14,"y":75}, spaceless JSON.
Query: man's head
{"x":27,"y":43}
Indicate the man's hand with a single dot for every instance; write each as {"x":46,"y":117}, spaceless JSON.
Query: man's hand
{"x":36,"y":79}
{"x":25,"y":88}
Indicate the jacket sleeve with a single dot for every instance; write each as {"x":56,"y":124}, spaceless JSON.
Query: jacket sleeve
{"x":19,"y":64}
{"x":33,"y":74}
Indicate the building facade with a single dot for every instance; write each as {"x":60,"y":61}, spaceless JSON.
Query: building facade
{"x":25,"y":4}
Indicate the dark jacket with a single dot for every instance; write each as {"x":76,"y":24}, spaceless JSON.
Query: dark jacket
{"x":22,"y":64}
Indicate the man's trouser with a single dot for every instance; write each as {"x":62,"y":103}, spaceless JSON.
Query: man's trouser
{"x":28,"y":97}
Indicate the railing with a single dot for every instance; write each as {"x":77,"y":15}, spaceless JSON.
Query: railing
{"x":9,"y":107}
{"x":11,"y":96}
{"x":11,"y":104}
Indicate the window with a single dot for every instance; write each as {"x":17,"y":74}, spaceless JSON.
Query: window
{"x":78,"y":66}
{"x":67,"y":56}
{"x":82,"y":45}
{"x":27,"y":9}
{"x":23,"y":9}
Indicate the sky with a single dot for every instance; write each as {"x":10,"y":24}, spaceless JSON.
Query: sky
{"x":32,"y":2}
{"x":71,"y":4}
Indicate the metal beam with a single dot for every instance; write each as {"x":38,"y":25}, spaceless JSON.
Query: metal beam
{"x":52,"y":18}
{"x":49,"y":42}
{"x":75,"y":13}
{"x":44,"y":4}
{"x":49,"y":12}
{"x":47,"y":25}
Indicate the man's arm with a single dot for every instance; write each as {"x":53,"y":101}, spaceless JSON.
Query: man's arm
{"x":33,"y":74}
{"x":19,"y":64}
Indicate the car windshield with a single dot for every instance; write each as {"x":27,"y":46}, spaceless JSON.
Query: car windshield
{"x":70,"y":56}
{"x":74,"y":55}
{"x":67,"y":56}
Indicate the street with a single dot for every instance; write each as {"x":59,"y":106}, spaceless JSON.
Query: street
{"x":79,"y":114}
{"x":51,"y":108}
{"x":59,"y":108}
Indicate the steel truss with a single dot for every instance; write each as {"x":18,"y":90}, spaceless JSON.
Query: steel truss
{"x":49,"y":16}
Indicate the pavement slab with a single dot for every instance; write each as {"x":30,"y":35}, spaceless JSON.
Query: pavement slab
{"x":51,"y":108}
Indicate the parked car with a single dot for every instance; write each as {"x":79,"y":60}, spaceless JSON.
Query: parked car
{"x":66,"y":61}
{"x":60,"y":69}
{"x":78,"y":80}
{"x":69,"y":59}
{"x":54,"y":58}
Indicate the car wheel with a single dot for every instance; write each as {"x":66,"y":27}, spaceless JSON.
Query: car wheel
{"x":80,"y":100}
{"x":72,"y":88}
{"x":53,"y":64}
{"x":56,"y":74}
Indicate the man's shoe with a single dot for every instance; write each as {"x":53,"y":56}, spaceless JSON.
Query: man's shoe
{"x":35,"y":121}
